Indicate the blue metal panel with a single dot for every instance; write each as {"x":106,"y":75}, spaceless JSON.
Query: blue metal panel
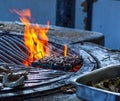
{"x":42,"y":10}
{"x":106,"y":19}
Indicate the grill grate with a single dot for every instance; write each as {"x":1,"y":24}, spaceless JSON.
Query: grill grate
{"x":37,"y":76}
{"x":13,"y":52}
{"x":40,"y":81}
{"x":9,"y":50}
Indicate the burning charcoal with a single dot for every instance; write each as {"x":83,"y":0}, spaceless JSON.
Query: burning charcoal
{"x":57,"y":62}
{"x":12,"y":80}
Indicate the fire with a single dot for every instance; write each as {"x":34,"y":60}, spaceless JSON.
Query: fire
{"x":65,"y":50}
{"x":35,"y":38}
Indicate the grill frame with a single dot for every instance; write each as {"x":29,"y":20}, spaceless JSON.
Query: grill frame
{"x":90,"y":63}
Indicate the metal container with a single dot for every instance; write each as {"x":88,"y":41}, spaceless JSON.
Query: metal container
{"x":89,"y":93}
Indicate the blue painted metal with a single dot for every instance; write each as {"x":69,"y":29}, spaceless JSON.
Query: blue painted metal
{"x":42,"y":10}
{"x":106,"y":15}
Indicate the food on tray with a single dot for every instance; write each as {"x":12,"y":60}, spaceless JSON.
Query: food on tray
{"x":112,"y":84}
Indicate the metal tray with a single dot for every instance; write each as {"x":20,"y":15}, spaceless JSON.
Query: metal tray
{"x":89,"y":93}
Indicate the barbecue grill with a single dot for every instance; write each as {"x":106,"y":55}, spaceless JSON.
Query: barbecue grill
{"x":48,"y":84}
{"x":39,"y":81}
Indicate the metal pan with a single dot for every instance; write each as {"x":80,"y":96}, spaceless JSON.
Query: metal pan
{"x":89,"y":93}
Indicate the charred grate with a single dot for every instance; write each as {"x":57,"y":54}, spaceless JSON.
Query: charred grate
{"x":37,"y":82}
{"x":36,"y":76}
{"x":13,"y":52}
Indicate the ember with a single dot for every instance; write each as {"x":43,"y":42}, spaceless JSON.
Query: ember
{"x":57,"y":62}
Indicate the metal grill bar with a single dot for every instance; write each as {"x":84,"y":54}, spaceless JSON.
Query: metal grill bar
{"x":12,"y":50}
{"x":4,"y":59}
{"x":16,"y":52}
{"x":15,"y":41}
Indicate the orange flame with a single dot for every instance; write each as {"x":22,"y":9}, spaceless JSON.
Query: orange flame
{"x":65,"y":50}
{"x":35,"y":38}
